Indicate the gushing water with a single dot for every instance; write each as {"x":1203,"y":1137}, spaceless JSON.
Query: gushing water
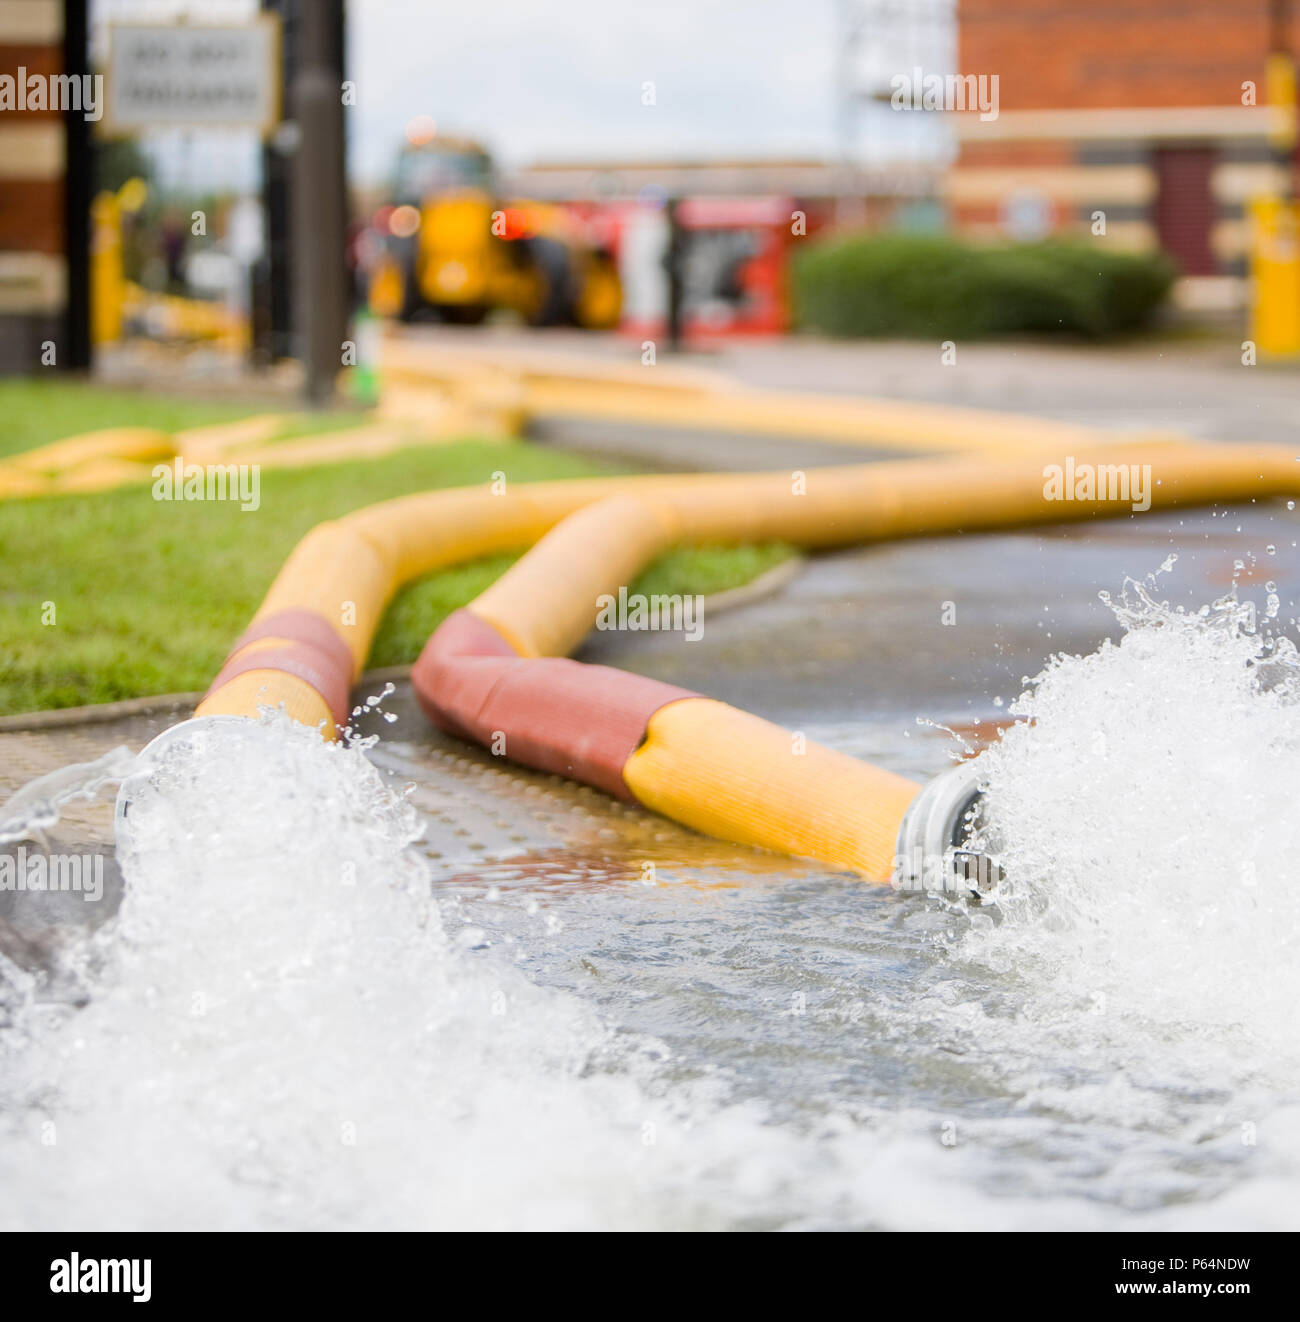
{"x":1145,"y":817}
{"x":280,"y":1032}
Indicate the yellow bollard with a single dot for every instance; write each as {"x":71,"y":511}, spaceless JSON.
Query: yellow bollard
{"x":1275,"y":277}
{"x":107,"y":278}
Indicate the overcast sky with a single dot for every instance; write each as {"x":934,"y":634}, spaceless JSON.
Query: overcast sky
{"x":564,"y":79}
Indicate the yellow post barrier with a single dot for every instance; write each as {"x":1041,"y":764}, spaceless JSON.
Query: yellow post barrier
{"x":1275,"y":277}
{"x":107,"y":277}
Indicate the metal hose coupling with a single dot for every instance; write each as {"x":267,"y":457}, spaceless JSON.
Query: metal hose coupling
{"x":936,"y":850}
{"x":140,"y":788}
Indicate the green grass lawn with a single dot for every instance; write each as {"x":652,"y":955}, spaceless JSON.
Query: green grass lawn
{"x":148,"y":596}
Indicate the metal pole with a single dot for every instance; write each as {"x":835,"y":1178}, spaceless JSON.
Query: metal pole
{"x":78,"y":187}
{"x":271,"y":299}
{"x":318,"y":200}
{"x":673,"y":260}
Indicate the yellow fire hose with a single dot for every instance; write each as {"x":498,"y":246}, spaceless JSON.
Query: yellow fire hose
{"x":719,"y":770}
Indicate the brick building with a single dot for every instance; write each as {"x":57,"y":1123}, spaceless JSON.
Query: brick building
{"x":1135,"y":108}
{"x":43,"y":205}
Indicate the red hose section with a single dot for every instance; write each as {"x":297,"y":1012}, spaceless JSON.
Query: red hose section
{"x":315,"y":653}
{"x":549,"y":713}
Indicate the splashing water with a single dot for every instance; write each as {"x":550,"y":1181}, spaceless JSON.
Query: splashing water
{"x":36,"y":807}
{"x":280,"y":1032}
{"x":1148,"y":925}
{"x":1145,"y":817}
{"x":287,"y":1025}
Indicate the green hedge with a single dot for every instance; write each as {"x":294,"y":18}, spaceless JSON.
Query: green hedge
{"x":934,"y":286}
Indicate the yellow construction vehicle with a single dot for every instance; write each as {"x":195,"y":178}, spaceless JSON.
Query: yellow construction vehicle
{"x":454,"y":251}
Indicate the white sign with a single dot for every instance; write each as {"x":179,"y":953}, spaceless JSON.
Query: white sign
{"x":1027,"y":215}
{"x":191,"y":75}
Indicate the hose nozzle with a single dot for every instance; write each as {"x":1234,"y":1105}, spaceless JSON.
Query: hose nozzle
{"x":139,"y":790}
{"x":935,"y":841}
